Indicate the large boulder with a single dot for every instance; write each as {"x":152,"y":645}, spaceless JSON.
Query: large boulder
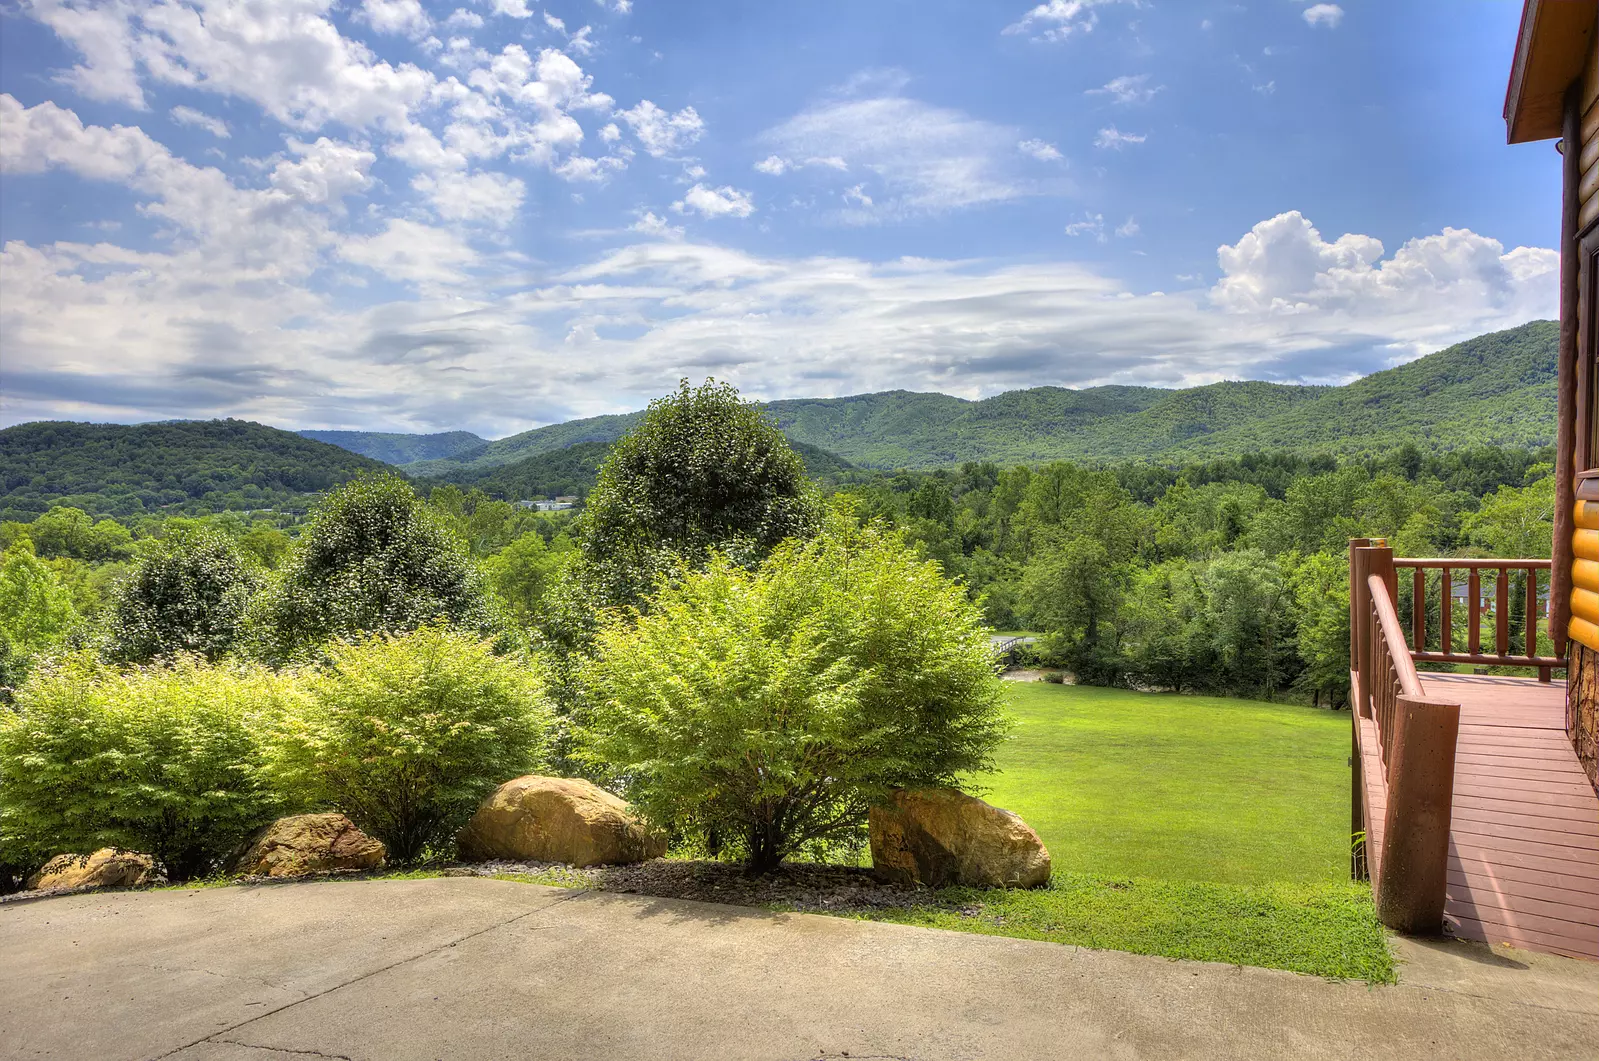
{"x":106,"y":868}
{"x":558,"y":819}
{"x":309,"y":843}
{"x":939,"y":837}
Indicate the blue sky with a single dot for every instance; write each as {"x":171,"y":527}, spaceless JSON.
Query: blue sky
{"x":492,"y":214}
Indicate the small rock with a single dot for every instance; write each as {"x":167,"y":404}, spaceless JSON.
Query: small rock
{"x":106,"y":868}
{"x":940,"y":836}
{"x":558,"y":819}
{"x":309,"y":843}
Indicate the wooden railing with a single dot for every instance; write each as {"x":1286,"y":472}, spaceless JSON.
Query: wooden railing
{"x":1511,"y":647}
{"x":1415,"y":738}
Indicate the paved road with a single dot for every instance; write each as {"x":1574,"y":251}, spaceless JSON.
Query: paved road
{"x":480,"y":969}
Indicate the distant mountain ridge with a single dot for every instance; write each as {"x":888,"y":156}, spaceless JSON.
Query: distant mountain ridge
{"x":399,"y":448}
{"x":1496,"y":389}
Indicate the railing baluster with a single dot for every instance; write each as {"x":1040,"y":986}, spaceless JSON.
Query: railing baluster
{"x":1502,"y":611}
{"x":1418,"y":610}
{"x":1474,"y":611}
{"x":1531,"y":624}
{"x":1446,"y":625}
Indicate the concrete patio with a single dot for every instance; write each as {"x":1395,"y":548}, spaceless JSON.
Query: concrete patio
{"x":481,"y":969}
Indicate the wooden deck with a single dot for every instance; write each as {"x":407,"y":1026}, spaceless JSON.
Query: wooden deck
{"x":1524,"y":835}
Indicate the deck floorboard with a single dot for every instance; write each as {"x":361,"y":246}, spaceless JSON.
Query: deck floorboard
{"x":1524,"y":847}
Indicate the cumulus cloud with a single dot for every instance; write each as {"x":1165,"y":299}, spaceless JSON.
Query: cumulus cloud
{"x":485,"y":196}
{"x":200,"y":120}
{"x":511,"y":8}
{"x":662,"y":132}
{"x":397,"y":16}
{"x":649,"y":224}
{"x":1090,"y":225}
{"x":715,"y":202}
{"x":773,"y":165}
{"x":1328,"y":15}
{"x":1114,"y":138}
{"x":1128,"y":89}
{"x":1057,"y":20}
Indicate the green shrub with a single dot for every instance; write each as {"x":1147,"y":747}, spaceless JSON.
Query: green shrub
{"x":190,"y":593}
{"x":375,"y":559}
{"x":36,"y":611}
{"x":407,"y":733}
{"x":766,"y":711}
{"x":163,"y":760}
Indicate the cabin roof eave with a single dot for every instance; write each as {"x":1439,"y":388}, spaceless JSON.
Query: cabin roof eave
{"x":1553,"y":45}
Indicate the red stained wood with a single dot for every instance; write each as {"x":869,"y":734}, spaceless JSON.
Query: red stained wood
{"x":1523,"y":863}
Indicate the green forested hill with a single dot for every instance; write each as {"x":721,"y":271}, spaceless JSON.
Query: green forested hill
{"x":1496,"y":388}
{"x":182,"y":466}
{"x":393,"y":448}
{"x":573,"y":470}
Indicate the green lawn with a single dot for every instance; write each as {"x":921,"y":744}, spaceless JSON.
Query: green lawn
{"x":1125,"y":784}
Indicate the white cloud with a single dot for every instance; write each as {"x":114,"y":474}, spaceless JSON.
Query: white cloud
{"x":1040,"y":150}
{"x":200,"y":120}
{"x":928,"y":159}
{"x":620,"y":7}
{"x":486,"y":196}
{"x":201,"y":331}
{"x":326,"y":172}
{"x":773,"y":165}
{"x":1127,"y":228}
{"x":1128,"y":89}
{"x":1329,"y":15}
{"x":610,"y":133}
{"x":715,"y":202}
{"x":651,"y":225}
{"x":1090,"y":225}
{"x":410,"y":252}
{"x":397,"y":16}
{"x":461,"y":18}
{"x":662,"y":132}
{"x":1057,"y":20}
{"x":104,"y":37}
{"x":1112,"y":137}
{"x":857,"y":196}
{"x":510,"y":8}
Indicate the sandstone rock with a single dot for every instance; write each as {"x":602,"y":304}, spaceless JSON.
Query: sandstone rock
{"x":557,"y":819}
{"x":309,"y":843}
{"x":106,"y":868}
{"x":940,"y":837}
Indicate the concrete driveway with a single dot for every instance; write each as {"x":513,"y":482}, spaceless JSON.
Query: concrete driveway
{"x":469,"y":968}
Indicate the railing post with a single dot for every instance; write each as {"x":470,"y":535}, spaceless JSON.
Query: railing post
{"x":1366,"y":557}
{"x":1359,"y":625}
{"x":1421,"y":783}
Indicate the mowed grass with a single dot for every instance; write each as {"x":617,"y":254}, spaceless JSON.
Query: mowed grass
{"x":1197,"y":788}
{"x":1189,"y":827}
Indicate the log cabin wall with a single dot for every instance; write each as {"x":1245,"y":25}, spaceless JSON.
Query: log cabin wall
{"x":1582,"y":695}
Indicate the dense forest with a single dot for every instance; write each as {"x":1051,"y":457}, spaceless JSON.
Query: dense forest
{"x":184,"y":466}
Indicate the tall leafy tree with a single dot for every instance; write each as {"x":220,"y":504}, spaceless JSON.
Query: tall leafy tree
{"x":375,"y":559}
{"x":703,"y":469}
{"x":189,"y":593}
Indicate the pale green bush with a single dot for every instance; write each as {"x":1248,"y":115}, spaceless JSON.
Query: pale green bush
{"x":766,"y":711}
{"x":164,"y":760}
{"x":407,"y":733}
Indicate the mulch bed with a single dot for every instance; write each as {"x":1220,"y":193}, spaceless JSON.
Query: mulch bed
{"x":799,"y":886}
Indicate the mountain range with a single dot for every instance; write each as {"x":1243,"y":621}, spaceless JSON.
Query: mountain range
{"x":1496,"y":389}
